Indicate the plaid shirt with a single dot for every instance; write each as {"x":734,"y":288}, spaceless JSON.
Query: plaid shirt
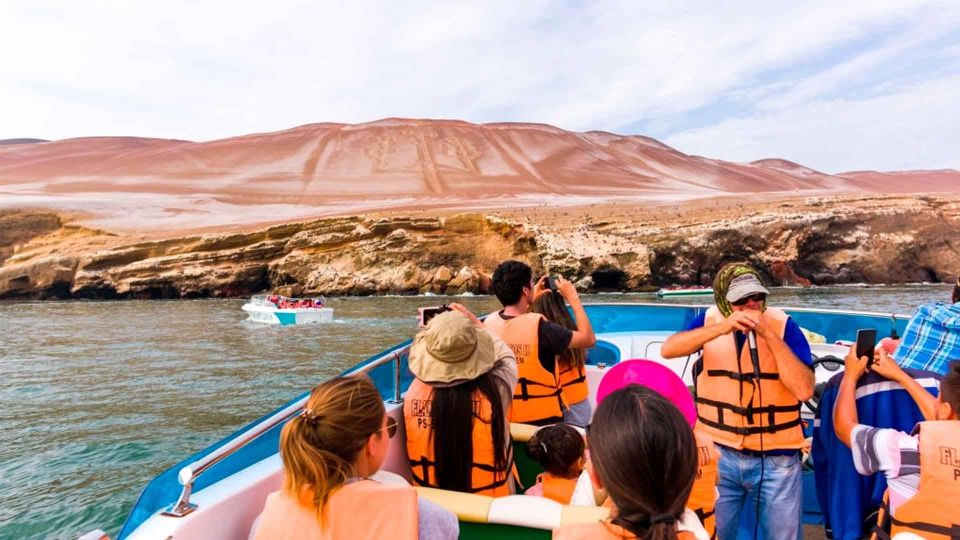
{"x":932,"y":338}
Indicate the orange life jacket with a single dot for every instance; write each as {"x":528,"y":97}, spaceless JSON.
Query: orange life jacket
{"x":556,"y":488}
{"x":932,"y":512}
{"x":703,"y":497}
{"x":538,"y":397}
{"x":602,"y":530}
{"x":573,"y":384}
{"x":388,"y":512}
{"x":733,"y":408}
{"x":485,"y":479}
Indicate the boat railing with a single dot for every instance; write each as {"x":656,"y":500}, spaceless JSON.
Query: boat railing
{"x":189,"y":473}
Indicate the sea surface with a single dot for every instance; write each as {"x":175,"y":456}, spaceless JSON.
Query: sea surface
{"x":97,"y":398}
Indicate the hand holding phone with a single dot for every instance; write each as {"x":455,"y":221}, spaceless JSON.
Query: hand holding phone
{"x":866,"y":343}
{"x":427,"y":313}
{"x":552,"y":284}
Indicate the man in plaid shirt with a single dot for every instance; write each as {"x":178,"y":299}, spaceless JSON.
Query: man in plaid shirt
{"x":932,"y":337}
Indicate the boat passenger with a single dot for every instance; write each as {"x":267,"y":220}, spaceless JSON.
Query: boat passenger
{"x":932,"y":337}
{"x":752,"y":411}
{"x":571,"y":361}
{"x":559,"y":449}
{"x":329,"y":451}
{"x":456,"y":410}
{"x":922,"y":468}
{"x":649,"y":494}
{"x":535,"y":341}
{"x":662,"y":380}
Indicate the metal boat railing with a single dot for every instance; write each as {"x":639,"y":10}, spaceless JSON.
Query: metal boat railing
{"x":189,"y":474}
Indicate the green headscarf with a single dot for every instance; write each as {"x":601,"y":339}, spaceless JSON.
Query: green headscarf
{"x":721,"y":284}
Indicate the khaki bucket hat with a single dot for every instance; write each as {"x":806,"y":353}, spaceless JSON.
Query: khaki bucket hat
{"x":451,"y":348}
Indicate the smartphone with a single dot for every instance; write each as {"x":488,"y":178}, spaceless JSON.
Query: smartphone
{"x":552,"y":283}
{"x":427,"y":313}
{"x":866,"y":342}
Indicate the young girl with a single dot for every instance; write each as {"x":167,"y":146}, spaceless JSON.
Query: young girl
{"x":643,"y":452}
{"x":571,"y":362}
{"x":559,"y":450}
{"x":328,"y":453}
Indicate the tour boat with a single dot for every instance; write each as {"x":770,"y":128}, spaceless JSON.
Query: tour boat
{"x":275,"y":309}
{"x":684,"y":291}
{"x":219,"y":492}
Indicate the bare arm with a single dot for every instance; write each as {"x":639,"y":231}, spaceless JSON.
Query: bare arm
{"x":583,"y":337}
{"x":845,"y":410}
{"x":887,"y":367}
{"x":794,"y":374}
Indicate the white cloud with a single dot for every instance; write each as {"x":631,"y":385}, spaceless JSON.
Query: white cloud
{"x":216,"y":69}
{"x":913,"y":128}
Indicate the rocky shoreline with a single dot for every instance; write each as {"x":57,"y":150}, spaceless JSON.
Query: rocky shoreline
{"x":797,"y":241}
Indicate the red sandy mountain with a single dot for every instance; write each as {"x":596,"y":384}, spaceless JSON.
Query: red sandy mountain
{"x":388,"y":163}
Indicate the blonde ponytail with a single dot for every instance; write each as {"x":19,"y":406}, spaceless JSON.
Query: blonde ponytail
{"x":320,"y":447}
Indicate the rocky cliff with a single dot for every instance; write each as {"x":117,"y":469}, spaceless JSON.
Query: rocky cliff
{"x":829,"y":240}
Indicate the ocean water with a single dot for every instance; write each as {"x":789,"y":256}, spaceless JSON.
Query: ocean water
{"x":97,"y":398}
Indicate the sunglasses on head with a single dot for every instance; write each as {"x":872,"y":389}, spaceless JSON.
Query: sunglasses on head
{"x":391,"y":427}
{"x":758,"y":298}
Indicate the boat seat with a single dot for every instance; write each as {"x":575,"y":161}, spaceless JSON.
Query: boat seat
{"x":516,"y":510}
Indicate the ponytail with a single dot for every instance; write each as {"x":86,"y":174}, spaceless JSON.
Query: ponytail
{"x":956,"y":291}
{"x":320,"y":447}
{"x":644,"y":452}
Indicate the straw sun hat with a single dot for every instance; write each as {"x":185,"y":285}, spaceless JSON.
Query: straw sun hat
{"x":451,"y":348}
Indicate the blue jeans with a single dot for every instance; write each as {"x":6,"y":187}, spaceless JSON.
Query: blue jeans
{"x":781,"y":496}
{"x":578,"y":414}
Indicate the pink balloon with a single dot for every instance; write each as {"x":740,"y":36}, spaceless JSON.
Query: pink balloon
{"x":654,"y":376}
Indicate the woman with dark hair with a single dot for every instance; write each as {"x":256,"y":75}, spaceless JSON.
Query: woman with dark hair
{"x":571,"y":363}
{"x":643,"y":453}
{"x":456,"y":410}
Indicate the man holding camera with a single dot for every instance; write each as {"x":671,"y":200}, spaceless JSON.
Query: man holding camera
{"x":756,"y":369}
{"x":535,"y":341}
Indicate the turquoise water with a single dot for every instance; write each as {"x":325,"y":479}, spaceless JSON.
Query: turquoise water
{"x":96,"y":398}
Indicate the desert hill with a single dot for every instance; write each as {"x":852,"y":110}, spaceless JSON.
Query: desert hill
{"x":328,"y":168}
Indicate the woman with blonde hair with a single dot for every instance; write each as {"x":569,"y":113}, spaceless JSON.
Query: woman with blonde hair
{"x":329,"y":452}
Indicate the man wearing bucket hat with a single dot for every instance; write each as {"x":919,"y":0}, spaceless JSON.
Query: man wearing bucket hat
{"x":456,"y":411}
{"x":754,"y":372}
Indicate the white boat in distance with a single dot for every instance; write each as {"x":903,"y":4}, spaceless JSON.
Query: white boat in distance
{"x":276,"y":309}
{"x":684,"y":291}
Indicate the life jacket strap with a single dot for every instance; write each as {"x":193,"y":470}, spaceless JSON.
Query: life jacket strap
{"x":525,"y":394}
{"x":743,"y":377}
{"x":749,"y":410}
{"x":704,"y":515}
{"x":771,"y":428}
{"x":952,"y":531}
{"x":424,"y":463}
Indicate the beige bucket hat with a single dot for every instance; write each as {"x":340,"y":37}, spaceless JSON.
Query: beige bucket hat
{"x":451,"y":348}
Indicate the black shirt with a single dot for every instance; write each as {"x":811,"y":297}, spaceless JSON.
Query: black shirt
{"x":552,"y":339}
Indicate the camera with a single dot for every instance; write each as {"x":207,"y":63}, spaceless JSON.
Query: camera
{"x":427,"y":313}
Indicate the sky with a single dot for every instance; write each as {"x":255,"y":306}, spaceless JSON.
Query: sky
{"x":836,"y":86}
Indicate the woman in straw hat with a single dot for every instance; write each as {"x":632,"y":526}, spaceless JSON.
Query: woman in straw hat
{"x":457,"y":409}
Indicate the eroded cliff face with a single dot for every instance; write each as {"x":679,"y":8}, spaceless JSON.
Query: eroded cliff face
{"x":801,"y":241}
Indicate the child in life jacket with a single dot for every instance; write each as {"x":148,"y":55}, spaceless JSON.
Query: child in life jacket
{"x":559,"y":449}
